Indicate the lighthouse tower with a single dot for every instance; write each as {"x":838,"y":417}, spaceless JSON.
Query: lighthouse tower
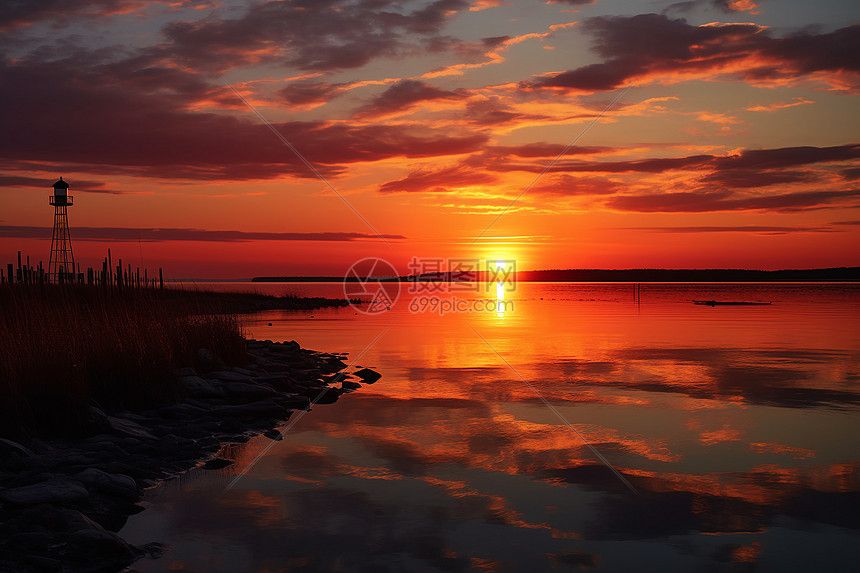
{"x":61,"y":267}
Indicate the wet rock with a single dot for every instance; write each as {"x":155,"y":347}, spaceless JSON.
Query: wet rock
{"x":10,"y":448}
{"x":43,"y":563}
{"x":100,"y":550}
{"x":273,"y":435}
{"x":262,"y":408}
{"x":115,"y":484}
{"x":197,"y":386}
{"x":217,"y":464}
{"x":323,"y":395}
{"x":133,"y":451}
{"x":206,"y":358}
{"x":293,"y":401}
{"x":249,"y":391}
{"x":228,"y":376}
{"x":55,"y":490}
{"x":367,"y":375}
{"x":128,"y":428}
{"x":30,"y":540}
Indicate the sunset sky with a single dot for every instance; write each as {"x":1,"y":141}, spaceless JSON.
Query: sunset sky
{"x":733,"y":139}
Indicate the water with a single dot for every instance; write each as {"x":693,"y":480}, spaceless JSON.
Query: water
{"x":738,"y":428}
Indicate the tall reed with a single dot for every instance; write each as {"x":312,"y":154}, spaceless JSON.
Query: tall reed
{"x":63,"y":347}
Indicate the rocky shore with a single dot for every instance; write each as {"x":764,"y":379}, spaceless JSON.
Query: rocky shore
{"x":62,"y":501}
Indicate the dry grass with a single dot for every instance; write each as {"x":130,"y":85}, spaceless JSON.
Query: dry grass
{"x":63,"y":347}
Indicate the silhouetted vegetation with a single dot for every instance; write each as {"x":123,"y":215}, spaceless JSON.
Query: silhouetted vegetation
{"x":66,"y":346}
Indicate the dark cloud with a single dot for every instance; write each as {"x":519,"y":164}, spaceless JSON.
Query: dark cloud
{"x":567,"y":185}
{"x":14,"y":13}
{"x":655,"y":45}
{"x":747,"y":178}
{"x":320,"y":35}
{"x":749,"y":168}
{"x":302,"y":93}
{"x":550,"y":150}
{"x":658,"y":165}
{"x":438,"y":181}
{"x":786,"y":157}
{"x":491,"y":111}
{"x":79,"y":186}
{"x":851,"y":173}
{"x":692,"y":202}
{"x":154,"y":234}
{"x":403,"y":95}
{"x":756,"y":229}
{"x":725,"y":6}
{"x":105,"y":119}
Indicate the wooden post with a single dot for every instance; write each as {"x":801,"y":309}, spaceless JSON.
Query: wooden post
{"x":110,"y":269}
{"x":20,"y":273}
{"x":160,"y":279}
{"x":9,"y":273}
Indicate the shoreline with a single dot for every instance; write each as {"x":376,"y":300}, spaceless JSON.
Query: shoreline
{"x":63,"y":500}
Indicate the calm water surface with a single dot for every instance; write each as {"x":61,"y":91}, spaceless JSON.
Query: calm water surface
{"x":738,"y":428}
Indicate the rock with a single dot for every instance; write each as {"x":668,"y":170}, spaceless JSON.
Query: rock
{"x":207,"y":360}
{"x":323,"y":395}
{"x":349,"y":385}
{"x":44,"y":563}
{"x":95,"y":415}
{"x":265,"y":408}
{"x":102,"y":444}
{"x":29,"y":541}
{"x":100,"y":550}
{"x":293,"y":401}
{"x":128,"y":428}
{"x":115,"y":484}
{"x":230,"y":376}
{"x":249,"y":391}
{"x":273,"y":435}
{"x":367,"y":375}
{"x":217,"y":464}
{"x":335,"y":363}
{"x":186,"y":372}
{"x":181,"y":412}
{"x":197,"y":386}
{"x":55,"y":490}
{"x":10,"y":448}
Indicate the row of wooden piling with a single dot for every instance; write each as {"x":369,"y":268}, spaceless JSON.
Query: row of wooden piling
{"x":109,"y":276}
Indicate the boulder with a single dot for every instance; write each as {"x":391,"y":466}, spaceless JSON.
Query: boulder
{"x":249,"y":391}
{"x":228,"y":376}
{"x":100,"y":550}
{"x":217,"y":464}
{"x":197,"y":386}
{"x":367,"y":375}
{"x":128,"y":428}
{"x":8,"y":447}
{"x":266,"y":408}
{"x":56,"y":490}
{"x":274,"y":435}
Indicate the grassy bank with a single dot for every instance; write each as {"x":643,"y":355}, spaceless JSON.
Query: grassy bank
{"x":66,"y":346}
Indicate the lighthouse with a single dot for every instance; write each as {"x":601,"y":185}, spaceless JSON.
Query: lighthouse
{"x":61,"y":267}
